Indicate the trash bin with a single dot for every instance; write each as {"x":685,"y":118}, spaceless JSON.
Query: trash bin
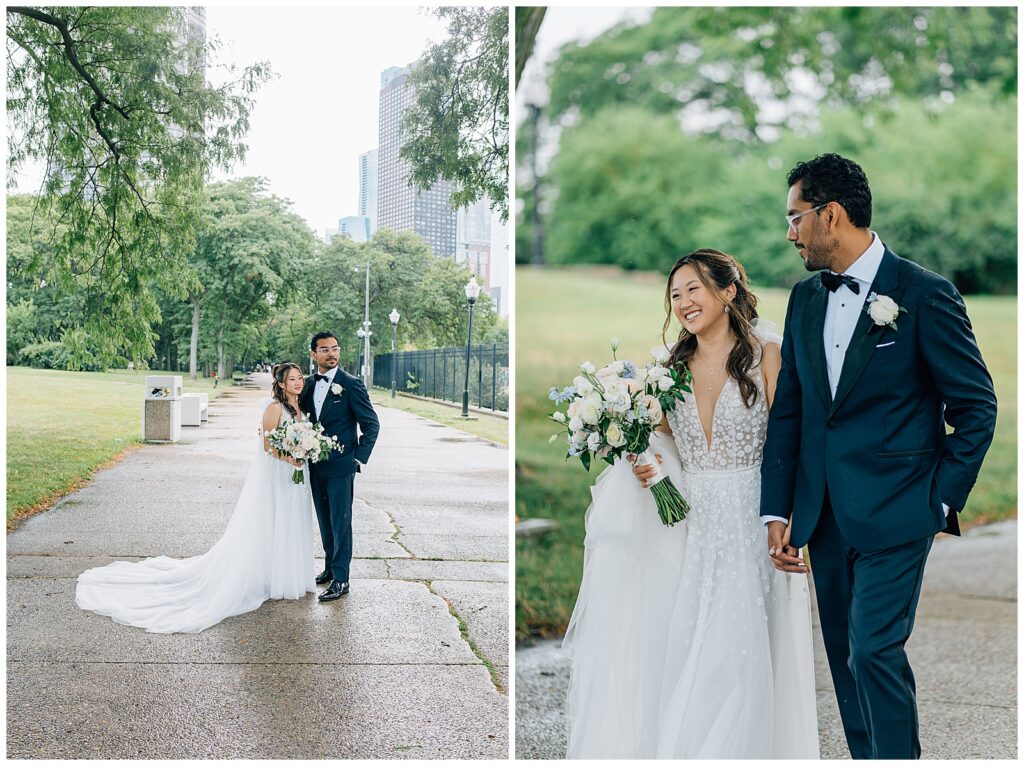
{"x":161,"y":409}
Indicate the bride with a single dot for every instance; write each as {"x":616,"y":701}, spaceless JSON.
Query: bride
{"x":265,"y":552}
{"x":685,"y":641}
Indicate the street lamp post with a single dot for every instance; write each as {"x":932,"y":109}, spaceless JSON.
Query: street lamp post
{"x":365,"y":331}
{"x":472,"y":293}
{"x":394,"y":316}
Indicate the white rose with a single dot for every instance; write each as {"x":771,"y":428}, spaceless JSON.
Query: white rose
{"x":559,"y":417}
{"x":660,"y":354}
{"x":587,"y":367}
{"x":608,"y":371}
{"x":578,"y":438}
{"x":657,"y":372}
{"x":590,"y":411}
{"x":574,"y":408}
{"x":883,"y":310}
{"x":583,"y":386}
{"x":619,"y":404}
{"x":664,"y":384}
{"x":336,"y":389}
{"x":594,"y":441}
{"x":614,"y":435}
{"x":575,"y":424}
{"x":635,"y":385}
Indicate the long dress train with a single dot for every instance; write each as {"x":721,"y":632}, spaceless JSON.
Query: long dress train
{"x":266,"y":552}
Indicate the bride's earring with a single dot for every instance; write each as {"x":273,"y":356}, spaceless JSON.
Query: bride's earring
{"x":726,"y":309}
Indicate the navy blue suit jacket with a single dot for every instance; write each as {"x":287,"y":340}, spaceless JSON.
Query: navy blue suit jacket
{"x":880,"y":448}
{"x":340,"y":416}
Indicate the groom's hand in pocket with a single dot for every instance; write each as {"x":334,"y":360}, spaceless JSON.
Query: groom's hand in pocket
{"x":784,"y":556}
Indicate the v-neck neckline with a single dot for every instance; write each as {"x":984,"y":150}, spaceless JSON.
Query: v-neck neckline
{"x":709,"y":435}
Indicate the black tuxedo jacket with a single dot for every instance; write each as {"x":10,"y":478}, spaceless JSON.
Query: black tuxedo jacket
{"x":880,"y":448}
{"x":340,"y":416}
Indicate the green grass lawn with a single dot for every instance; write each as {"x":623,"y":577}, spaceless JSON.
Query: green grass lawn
{"x":566,"y":316}
{"x":490,"y":427}
{"x":62,"y":426}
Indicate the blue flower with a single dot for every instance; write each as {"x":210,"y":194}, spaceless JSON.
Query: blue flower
{"x":628,"y":370}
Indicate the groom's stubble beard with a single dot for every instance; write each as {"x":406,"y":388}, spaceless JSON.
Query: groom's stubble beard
{"x":818,"y":255}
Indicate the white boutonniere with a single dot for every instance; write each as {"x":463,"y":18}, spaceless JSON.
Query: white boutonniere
{"x":336,"y":389}
{"x":883,"y":310}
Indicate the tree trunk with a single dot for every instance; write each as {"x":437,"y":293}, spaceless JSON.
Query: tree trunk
{"x":528,"y":21}
{"x":220,"y":354}
{"x":193,"y":347}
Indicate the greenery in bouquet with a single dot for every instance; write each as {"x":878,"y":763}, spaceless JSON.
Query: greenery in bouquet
{"x":613,"y":411}
{"x":303,"y":440}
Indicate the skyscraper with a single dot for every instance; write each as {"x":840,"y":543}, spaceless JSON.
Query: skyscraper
{"x":355,"y":227}
{"x":368,"y":187}
{"x":400,"y":207}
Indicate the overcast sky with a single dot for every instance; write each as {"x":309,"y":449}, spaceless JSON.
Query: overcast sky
{"x":313,"y":121}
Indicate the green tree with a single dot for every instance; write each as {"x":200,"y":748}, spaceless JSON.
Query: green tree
{"x":114,"y":101}
{"x":719,"y":67}
{"x":457,"y":130}
{"x":632,"y":190}
{"x":247,"y":259}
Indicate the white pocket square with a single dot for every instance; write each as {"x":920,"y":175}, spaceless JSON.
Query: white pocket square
{"x":883,"y":345}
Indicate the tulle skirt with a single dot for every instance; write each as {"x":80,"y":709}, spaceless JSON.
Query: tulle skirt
{"x":685,"y":641}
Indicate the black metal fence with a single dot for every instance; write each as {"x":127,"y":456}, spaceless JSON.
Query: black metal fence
{"x":440,"y":373}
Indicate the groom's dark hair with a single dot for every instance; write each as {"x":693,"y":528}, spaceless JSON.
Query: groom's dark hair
{"x":831,"y":178}
{"x":319,"y":337}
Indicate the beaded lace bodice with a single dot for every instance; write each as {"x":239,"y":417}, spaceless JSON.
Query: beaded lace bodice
{"x":737,"y":432}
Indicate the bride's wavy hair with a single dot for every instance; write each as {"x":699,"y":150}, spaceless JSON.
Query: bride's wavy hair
{"x":280,"y":373}
{"x":717,"y":270}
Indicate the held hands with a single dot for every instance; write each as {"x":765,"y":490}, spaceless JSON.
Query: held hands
{"x":643,"y":472}
{"x":784,"y":556}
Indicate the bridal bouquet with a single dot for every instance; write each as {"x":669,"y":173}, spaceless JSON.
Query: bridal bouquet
{"x":614,"y":410}
{"x":303,"y":440}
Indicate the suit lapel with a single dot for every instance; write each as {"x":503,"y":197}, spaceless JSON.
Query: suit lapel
{"x":814,"y":332}
{"x":306,"y":399}
{"x":862,"y":345}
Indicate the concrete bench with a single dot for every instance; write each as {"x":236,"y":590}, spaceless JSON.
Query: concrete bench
{"x":195,"y":409}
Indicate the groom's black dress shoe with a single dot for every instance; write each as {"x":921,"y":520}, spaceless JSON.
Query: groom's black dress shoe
{"x":336,"y":590}
{"x":324,"y":576}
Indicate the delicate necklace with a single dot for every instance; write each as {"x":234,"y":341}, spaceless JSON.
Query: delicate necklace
{"x":711,"y":372}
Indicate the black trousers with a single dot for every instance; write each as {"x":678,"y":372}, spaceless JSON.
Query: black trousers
{"x":867,"y":603}
{"x":332,"y":498}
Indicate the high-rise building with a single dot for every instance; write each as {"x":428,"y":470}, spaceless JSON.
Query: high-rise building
{"x":499,"y":273}
{"x":355,"y":227}
{"x":473,"y":240}
{"x":400,"y":207}
{"x":368,"y":187}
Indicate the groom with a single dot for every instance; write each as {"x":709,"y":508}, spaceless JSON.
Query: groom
{"x":339,"y":402}
{"x":878,"y":357}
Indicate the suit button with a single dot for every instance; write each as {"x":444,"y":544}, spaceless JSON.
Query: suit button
{"x":831,"y":423}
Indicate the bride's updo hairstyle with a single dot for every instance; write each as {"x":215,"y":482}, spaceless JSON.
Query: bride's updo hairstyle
{"x":280,"y":373}
{"x":718,"y":270}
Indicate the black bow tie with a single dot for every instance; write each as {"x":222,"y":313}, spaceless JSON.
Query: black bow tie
{"x":318,"y":376}
{"x":832,"y":281}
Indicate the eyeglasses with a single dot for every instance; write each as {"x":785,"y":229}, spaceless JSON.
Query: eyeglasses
{"x":321,"y":349}
{"x":792,"y":219}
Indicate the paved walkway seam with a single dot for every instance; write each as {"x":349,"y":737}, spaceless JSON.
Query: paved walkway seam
{"x":464,"y":632}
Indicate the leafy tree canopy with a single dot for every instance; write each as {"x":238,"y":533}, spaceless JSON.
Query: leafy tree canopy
{"x":745,"y":73}
{"x":115,"y":102}
{"x":457,"y":130}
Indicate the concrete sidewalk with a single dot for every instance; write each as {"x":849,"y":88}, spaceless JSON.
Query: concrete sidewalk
{"x":384,"y":673}
{"x":963,"y":652}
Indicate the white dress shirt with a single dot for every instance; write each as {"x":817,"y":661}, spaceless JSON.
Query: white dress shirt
{"x":321,"y":388}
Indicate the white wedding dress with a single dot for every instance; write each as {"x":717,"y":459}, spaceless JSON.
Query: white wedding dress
{"x":266,"y":552}
{"x":685,"y":641}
